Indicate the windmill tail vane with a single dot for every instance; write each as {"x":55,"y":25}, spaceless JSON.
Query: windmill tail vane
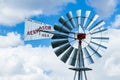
{"x":77,"y":40}
{"x":37,"y":30}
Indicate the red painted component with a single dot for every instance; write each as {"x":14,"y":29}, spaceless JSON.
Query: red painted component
{"x":81,"y":36}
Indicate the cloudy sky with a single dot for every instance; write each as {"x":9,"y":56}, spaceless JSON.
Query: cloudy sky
{"x":35,"y":60}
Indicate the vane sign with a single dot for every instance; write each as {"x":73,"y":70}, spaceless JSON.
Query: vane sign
{"x":33,"y":30}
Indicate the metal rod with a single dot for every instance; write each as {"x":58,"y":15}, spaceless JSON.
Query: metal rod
{"x":75,"y":75}
{"x":80,"y":60}
{"x":85,"y":75}
{"x":79,"y":75}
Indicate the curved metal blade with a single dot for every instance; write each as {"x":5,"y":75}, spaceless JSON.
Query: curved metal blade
{"x":99,"y":31}
{"x":61,"y":29}
{"x":95,"y":52}
{"x":92,"y":21}
{"x":62,"y":49}
{"x":65,"y":23}
{"x":59,"y":36}
{"x":65,"y":57}
{"x":99,"y":45}
{"x":86,"y":17}
{"x":70,"y":17}
{"x":99,"y":24}
{"x":74,"y":57}
{"x":88,"y":56}
{"x":101,"y":38}
{"x":78,"y":14}
{"x":59,"y":43}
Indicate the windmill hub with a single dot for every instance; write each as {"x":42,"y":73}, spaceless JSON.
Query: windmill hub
{"x":81,"y":36}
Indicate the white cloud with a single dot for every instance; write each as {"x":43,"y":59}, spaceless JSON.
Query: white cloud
{"x":105,"y":8}
{"x":11,"y":16}
{"x":11,"y":40}
{"x":15,"y":11}
{"x":112,"y":66}
{"x":26,"y":62}
{"x":116,"y":23}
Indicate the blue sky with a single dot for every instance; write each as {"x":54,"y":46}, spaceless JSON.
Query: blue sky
{"x":35,"y":60}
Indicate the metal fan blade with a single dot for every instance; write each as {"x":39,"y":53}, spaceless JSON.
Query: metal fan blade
{"x":88,"y":56}
{"x":65,"y":57}
{"x":78,"y":13}
{"x":61,"y":29}
{"x":86,"y":17}
{"x":62,"y":49}
{"x":101,"y":38}
{"x":98,"y":45}
{"x":92,"y":21}
{"x":59,"y":43}
{"x":65,"y":23}
{"x":78,"y":16}
{"x":99,"y":31}
{"x":73,"y":59}
{"x":70,"y":17}
{"x":95,"y":52}
{"x":59,"y":36}
{"x":99,"y":24}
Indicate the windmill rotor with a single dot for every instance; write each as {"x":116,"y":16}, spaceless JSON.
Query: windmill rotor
{"x":79,"y":39}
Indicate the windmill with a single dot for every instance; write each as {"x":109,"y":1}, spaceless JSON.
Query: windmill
{"x":79,"y":39}
{"x":76,"y":40}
